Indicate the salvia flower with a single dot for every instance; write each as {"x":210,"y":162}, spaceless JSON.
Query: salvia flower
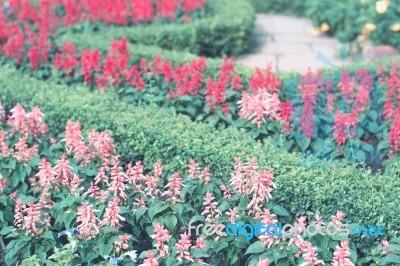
{"x":210,"y":208}
{"x":258,"y":106}
{"x":151,"y":259}
{"x":87,"y":221}
{"x":122,"y":244}
{"x":309,"y":254}
{"x":118,"y":178}
{"x":112,"y":215}
{"x":183,"y":247}
{"x":22,"y":152}
{"x":174,"y":188}
{"x":341,"y":256}
{"x":162,"y":237}
{"x":3,"y":183}
{"x":261,"y":190}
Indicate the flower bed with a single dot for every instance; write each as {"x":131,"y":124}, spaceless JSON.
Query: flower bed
{"x":148,"y":134}
{"x":70,"y":200}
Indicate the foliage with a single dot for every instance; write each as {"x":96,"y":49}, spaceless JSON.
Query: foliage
{"x":304,"y":186}
{"x":102,"y":210}
{"x":226,"y":31}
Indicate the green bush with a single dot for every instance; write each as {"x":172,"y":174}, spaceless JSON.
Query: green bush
{"x":226,"y":31}
{"x":291,"y":7}
{"x":304,"y":186}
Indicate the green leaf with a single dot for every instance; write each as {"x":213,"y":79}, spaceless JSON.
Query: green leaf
{"x":303,"y":143}
{"x":109,"y":229}
{"x":279,"y":210}
{"x":154,"y":210}
{"x":170,"y":221}
{"x":221,"y":246}
{"x":256,"y":247}
{"x":6,"y":230}
{"x":139,"y":212}
{"x":199,"y":253}
{"x":389,"y":259}
{"x":48,"y":235}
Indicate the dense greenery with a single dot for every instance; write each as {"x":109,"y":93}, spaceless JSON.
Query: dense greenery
{"x":227,"y":30}
{"x":303,"y":185}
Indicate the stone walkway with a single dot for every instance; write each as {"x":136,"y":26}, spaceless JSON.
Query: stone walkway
{"x":288,"y":44}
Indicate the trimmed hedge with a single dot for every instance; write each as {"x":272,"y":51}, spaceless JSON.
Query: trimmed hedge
{"x":304,"y":185}
{"x":226,"y":31}
{"x":291,"y":7}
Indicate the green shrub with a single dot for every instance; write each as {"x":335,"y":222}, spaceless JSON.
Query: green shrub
{"x":304,"y":186}
{"x":291,"y":7}
{"x":227,"y":31}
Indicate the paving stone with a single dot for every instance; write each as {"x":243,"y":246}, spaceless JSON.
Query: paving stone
{"x":287,"y":43}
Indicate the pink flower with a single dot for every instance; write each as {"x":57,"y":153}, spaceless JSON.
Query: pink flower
{"x":101,"y":176}
{"x":267,"y":218}
{"x":385,"y":246}
{"x":341,"y":255}
{"x":122,"y":244}
{"x":22,"y":152}
{"x":309,"y":254}
{"x":182,"y":247}
{"x":200,"y":243}
{"x":18,"y":121}
{"x":135,"y":175}
{"x":162,"y":237}
{"x":19,"y":214}
{"x":63,"y":171}
{"x":233,"y":214}
{"x":35,"y":121}
{"x":87,"y":221}
{"x":205,"y":175}
{"x":151,"y":258}
{"x":118,"y":177}
{"x":111,"y":215}
{"x":258,"y":106}
{"x":174,"y":188}
{"x":75,"y":142}
{"x":3,"y":183}
{"x":75,"y":183}
{"x":194,"y":169}
{"x":337,"y":219}
{"x":261,"y":190}
{"x":35,"y":220}
{"x":264,"y":262}
{"x":4,"y":149}
{"x":210,"y":208}
{"x":47,"y":178}
{"x":102,"y":145}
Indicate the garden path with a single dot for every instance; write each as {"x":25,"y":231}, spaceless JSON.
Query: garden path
{"x":287,"y":42}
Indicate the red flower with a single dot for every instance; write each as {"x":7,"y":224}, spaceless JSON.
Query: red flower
{"x":268,"y":80}
{"x":167,"y":71}
{"x":66,"y":60}
{"x":90,"y":62}
{"x":142,"y":10}
{"x":308,"y":87}
{"x":345,"y":126}
{"x":286,"y":114}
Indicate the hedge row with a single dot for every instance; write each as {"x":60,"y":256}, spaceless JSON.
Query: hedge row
{"x":226,"y":31}
{"x":303,"y":185}
{"x":291,"y":7}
